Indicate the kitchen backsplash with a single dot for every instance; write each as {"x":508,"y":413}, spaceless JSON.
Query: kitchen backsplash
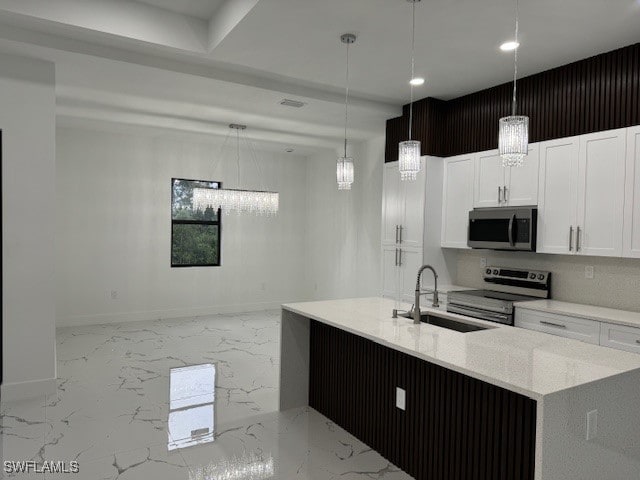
{"x":616,"y":282}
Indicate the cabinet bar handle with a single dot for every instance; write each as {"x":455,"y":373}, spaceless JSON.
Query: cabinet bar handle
{"x":399,"y":257}
{"x":397,"y":233}
{"x":505,"y":194}
{"x":571,"y":238}
{"x":396,"y":262}
{"x":499,"y":194}
{"x":551,"y":324}
{"x":400,"y":241}
{"x":577,"y":239}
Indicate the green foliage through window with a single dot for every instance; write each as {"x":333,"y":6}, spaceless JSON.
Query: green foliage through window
{"x":195,"y":235}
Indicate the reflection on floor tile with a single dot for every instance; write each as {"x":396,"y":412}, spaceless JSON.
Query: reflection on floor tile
{"x":191,"y":405}
{"x":131,"y":396}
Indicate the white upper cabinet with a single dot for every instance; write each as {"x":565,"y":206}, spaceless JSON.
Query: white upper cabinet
{"x":522,"y":184}
{"x":497,"y":186}
{"x":490,"y":180}
{"x":402,"y":207}
{"x":457,"y":200}
{"x":557,"y":200}
{"x":412,"y":204}
{"x":582,"y":192}
{"x":631,"y":243}
{"x":601,"y":179}
{"x":391,"y":209}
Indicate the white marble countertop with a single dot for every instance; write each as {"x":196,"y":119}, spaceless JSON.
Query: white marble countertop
{"x":602,"y":314}
{"x":531,"y":363}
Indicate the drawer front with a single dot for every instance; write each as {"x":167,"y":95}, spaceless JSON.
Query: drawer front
{"x":620,"y":337}
{"x":562,"y":325}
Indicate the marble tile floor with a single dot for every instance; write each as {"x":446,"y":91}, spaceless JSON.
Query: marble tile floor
{"x":113,"y":415}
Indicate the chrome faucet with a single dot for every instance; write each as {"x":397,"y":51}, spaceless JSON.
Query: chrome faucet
{"x":416,"y":305}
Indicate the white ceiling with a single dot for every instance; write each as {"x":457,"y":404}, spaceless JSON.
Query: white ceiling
{"x":456,"y":40}
{"x":197,"y":65}
{"x":203,"y":9}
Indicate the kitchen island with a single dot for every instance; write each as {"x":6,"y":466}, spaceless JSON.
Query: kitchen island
{"x":497,"y":403}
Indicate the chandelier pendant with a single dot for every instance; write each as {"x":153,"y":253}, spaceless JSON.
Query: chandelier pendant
{"x":513,"y":131}
{"x":257,"y":202}
{"x":344,"y":165}
{"x":409,"y":151}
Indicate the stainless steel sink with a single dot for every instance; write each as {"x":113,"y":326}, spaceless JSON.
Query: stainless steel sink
{"x":449,"y":323}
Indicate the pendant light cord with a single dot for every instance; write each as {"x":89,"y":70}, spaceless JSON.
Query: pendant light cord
{"x":346,"y":103}
{"x":254,"y":157}
{"x":238,"y":155}
{"x":515,"y":63}
{"x":413,"y":62}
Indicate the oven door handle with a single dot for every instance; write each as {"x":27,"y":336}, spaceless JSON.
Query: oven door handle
{"x":480,"y":314}
{"x":469,"y":304}
{"x":512,"y":221}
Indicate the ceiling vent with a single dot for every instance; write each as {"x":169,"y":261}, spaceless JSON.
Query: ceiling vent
{"x":292,"y":103}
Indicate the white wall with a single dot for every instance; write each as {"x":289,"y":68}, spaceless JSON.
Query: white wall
{"x":27,"y":120}
{"x":343,"y":227}
{"x":113,"y":232}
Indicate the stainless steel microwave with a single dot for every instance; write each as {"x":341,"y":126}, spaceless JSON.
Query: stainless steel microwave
{"x":503,"y":228}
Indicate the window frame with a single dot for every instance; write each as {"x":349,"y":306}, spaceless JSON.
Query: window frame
{"x":217,"y":223}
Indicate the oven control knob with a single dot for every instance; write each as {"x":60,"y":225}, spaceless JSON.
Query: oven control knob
{"x":495,"y":272}
{"x":488,"y":271}
{"x":532,"y":276}
{"x":541,"y":276}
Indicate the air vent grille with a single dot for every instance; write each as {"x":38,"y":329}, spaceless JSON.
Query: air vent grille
{"x":287,"y":102}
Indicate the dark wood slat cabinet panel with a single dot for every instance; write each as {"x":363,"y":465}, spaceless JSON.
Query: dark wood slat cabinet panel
{"x":594,"y":94}
{"x":454,"y":427}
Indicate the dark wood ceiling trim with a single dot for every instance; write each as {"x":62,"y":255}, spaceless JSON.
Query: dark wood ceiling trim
{"x":594,"y":94}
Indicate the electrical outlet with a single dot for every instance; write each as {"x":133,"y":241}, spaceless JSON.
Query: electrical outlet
{"x":592,"y":424}
{"x":401,"y":398}
{"x":483,"y":262}
{"x":588,"y":272}
{"x":114,"y":294}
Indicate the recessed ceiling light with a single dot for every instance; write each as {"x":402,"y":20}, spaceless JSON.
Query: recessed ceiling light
{"x":509,"y":46}
{"x":416,"y":81}
{"x":289,"y":150}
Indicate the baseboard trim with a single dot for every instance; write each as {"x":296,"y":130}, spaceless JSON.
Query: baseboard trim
{"x":105,"y":318}
{"x":30,"y":389}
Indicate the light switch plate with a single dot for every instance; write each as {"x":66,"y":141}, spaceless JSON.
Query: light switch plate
{"x":592,"y":424}
{"x":401,"y":398}
{"x":588,"y":271}
{"x":483,"y":262}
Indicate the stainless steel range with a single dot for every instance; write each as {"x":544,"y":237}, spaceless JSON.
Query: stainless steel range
{"x":505,"y":287}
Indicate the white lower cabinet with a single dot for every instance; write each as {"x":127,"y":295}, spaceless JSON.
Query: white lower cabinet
{"x":411,"y":261}
{"x":563,"y":325}
{"x":400,"y":268}
{"x":620,"y":337}
{"x":390,"y":272}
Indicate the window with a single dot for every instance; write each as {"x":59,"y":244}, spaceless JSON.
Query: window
{"x":195,"y":235}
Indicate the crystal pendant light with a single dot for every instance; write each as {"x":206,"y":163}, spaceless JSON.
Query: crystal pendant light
{"x":513,"y":137}
{"x":258,"y":202}
{"x":344,"y":167}
{"x":409,"y":151}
